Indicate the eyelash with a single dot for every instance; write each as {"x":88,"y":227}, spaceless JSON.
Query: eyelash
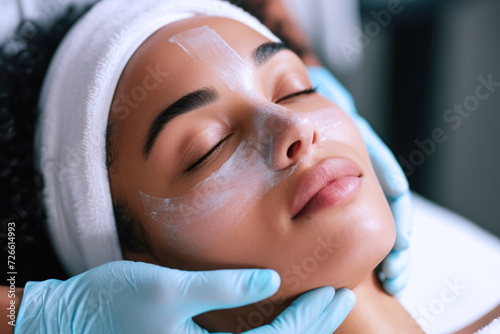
{"x":204,"y":158}
{"x":207,"y":155}
{"x":310,"y":90}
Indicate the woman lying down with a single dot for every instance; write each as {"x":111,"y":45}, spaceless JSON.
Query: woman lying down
{"x":220,"y":154}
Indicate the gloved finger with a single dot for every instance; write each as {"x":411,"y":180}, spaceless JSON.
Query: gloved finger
{"x":189,"y":328}
{"x":396,"y":284}
{"x":158,"y":322}
{"x":335,"y":313}
{"x":389,"y":172}
{"x":205,"y":291}
{"x":395,"y":262}
{"x":402,"y":211}
{"x":301,"y":314}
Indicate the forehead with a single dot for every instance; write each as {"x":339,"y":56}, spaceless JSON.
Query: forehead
{"x":158,"y":51}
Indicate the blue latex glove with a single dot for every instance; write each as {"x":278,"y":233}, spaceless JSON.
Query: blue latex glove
{"x":394,"y":269}
{"x":133,"y":297}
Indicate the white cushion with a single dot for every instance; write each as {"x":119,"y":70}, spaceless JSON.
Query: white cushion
{"x":455,"y":270}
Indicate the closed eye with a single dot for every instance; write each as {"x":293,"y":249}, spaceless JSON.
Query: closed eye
{"x":200,"y":162}
{"x":311,"y":90}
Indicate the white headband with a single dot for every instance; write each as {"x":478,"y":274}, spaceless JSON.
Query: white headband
{"x":74,"y":107}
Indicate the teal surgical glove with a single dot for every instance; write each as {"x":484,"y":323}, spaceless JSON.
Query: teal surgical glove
{"x":133,"y":297}
{"x":394,"y":269}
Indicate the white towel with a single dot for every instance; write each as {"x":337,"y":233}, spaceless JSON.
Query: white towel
{"x":74,"y":105}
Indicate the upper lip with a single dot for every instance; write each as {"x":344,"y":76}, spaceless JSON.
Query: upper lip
{"x":318,"y":177}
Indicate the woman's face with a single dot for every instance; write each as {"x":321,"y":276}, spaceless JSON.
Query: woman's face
{"x":288,"y":181}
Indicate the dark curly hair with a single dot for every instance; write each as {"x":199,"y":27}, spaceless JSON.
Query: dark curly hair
{"x":24,"y":61}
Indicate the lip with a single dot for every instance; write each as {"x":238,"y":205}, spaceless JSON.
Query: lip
{"x":328,"y":184}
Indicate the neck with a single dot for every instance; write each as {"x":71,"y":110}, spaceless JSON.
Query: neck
{"x":377,"y":312}
{"x":374,"y":312}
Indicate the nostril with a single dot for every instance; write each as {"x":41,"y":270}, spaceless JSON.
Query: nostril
{"x":293,"y":149}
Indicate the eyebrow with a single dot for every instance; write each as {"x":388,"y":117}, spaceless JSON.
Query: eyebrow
{"x":187,"y":103}
{"x":265,"y":51}
{"x":201,"y":97}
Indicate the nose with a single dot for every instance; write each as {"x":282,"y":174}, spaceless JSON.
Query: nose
{"x":292,"y":142}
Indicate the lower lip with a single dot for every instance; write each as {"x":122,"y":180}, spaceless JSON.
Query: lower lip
{"x":336,"y":193}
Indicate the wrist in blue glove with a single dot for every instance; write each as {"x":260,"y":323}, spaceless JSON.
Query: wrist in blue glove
{"x":394,"y":269}
{"x":134,"y":297}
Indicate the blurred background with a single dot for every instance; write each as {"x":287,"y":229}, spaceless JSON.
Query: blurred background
{"x":425,"y":74}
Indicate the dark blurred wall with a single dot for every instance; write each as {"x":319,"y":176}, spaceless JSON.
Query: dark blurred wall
{"x":464,"y":174}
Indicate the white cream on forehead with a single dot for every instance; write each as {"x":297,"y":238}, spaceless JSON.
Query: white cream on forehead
{"x":216,"y":205}
{"x":204,"y":45}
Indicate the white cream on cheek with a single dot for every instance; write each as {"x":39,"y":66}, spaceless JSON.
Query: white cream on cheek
{"x":215,"y":206}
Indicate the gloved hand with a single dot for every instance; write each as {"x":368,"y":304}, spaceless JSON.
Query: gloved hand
{"x":394,"y":269}
{"x":133,"y":297}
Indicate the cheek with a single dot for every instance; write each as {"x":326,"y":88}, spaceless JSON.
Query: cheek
{"x":251,"y":244}
{"x":214,"y":207}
